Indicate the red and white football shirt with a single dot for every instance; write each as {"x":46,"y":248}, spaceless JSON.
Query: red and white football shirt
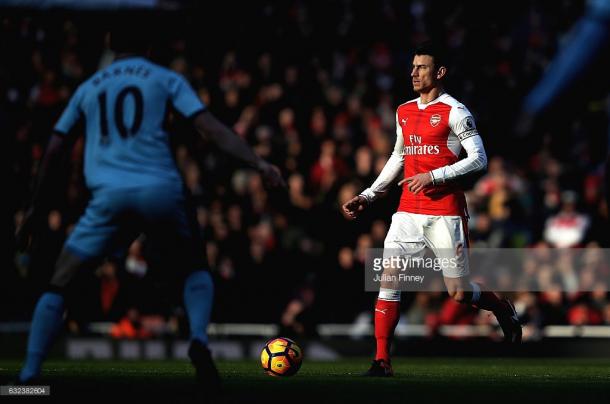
{"x":431,"y":135}
{"x":429,"y":138}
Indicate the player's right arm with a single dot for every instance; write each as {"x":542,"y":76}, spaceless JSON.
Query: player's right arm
{"x":49,"y":166}
{"x":392,"y":169}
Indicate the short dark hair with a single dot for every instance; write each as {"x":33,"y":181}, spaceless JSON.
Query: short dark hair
{"x":433,"y":49}
{"x":129,"y":33}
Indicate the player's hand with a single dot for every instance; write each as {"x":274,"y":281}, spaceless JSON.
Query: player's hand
{"x":417,"y":182}
{"x":352,"y":208}
{"x":272,"y":176}
{"x":23,"y":234}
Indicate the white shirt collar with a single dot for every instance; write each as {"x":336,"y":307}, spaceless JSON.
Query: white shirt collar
{"x":421,"y":105}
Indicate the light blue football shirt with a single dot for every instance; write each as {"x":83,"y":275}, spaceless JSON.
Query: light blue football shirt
{"x":124,"y":106}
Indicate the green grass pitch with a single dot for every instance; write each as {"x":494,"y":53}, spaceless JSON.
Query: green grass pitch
{"x":417,"y":380}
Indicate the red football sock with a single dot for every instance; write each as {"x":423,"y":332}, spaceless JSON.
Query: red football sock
{"x":386,"y":319}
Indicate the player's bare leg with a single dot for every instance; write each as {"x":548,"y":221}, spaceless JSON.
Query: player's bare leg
{"x":464,"y":291}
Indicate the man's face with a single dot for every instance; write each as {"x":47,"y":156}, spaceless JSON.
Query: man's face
{"x":424,"y":73}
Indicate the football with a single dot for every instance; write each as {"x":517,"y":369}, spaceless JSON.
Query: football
{"x":281,"y":357}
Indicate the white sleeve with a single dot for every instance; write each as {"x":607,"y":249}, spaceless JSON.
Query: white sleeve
{"x":463,"y":126}
{"x":393,"y":167}
{"x":475,"y":160}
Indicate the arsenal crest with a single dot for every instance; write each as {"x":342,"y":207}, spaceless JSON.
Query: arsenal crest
{"x":435,"y":119}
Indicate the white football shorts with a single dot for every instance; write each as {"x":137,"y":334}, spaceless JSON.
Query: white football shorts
{"x":446,"y":236}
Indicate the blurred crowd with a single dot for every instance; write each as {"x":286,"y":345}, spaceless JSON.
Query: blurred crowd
{"x":313,"y":87}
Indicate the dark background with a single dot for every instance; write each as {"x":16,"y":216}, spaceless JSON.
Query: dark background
{"x":310,"y":85}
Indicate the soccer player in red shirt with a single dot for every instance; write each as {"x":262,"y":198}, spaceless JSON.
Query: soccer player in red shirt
{"x":430,"y":132}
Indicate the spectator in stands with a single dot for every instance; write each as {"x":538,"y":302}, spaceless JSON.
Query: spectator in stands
{"x":569,"y":227}
{"x":130,"y":326}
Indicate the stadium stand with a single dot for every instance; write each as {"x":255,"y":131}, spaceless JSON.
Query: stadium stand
{"x":320,"y":104}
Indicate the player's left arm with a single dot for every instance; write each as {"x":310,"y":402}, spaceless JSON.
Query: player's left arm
{"x":188,"y":104}
{"x":229,"y":142}
{"x":463,"y":125}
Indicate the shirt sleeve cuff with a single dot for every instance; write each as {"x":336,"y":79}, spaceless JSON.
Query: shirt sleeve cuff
{"x":368,"y":194}
{"x":438,"y":176}
{"x":197,"y":112}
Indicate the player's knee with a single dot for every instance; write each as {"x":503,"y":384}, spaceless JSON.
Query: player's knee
{"x":458,"y":295}
{"x":456,"y":292}
{"x":451,"y":289}
{"x":456,"y":289}
{"x":68,"y":264}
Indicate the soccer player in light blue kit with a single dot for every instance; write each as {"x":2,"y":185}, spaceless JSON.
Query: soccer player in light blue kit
{"x":135,"y":186}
